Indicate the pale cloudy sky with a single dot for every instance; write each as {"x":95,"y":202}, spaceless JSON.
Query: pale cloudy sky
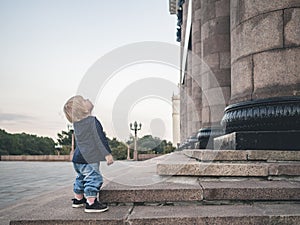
{"x":49,"y":46}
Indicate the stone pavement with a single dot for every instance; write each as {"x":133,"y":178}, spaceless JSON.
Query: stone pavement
{"x":26,"y":180}
{"x":56,"y":209}
{"x":23,"y":182}
{"x":137,"y":195}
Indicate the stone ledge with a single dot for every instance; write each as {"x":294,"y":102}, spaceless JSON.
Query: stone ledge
{"x":213,"y":169}
{"x":269,"y":155}
{"x":56,"y":209}
{"x":234,"y":215}
{"x":251,"y":190}
{"x":284,"y":169}
{"x":217,"y":155}
{"x":243,"y":190}
{"x":158,"y":192}
{"x":242,"y":155}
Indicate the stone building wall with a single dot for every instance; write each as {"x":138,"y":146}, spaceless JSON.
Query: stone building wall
{"x":242,"y":72}
{"x":176,"y":119}
{"x":265,"y":37}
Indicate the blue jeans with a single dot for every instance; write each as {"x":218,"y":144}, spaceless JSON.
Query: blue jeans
{"x":89,"y":179}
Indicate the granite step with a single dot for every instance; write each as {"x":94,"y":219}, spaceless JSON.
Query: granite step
{"x":250,"y":190}
{"x":242,"y":155}
{"x":55,"y":208}
{"x":221,"y":214}
{"x":178,"y":164}
{"x":203,"y":192}
{"x":178,"y":214}
{"x":157,"y":192}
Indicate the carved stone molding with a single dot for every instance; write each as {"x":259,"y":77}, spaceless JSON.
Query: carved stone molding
{"x":274,"y":114}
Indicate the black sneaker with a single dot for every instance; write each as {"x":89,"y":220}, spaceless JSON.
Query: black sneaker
{"x":78,"y":203}
{"x":96,"y":207}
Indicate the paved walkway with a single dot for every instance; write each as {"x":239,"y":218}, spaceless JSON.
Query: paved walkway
{"x":26,"y":180}
{"x":27,"y":186}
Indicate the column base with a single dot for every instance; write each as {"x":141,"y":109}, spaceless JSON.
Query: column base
{"x":273,"y":114}
{"x":206,"y":136}
{"x":259,"y":140}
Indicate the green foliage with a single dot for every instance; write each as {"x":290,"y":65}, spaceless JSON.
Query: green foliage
{"x":25,"y":144}
{"x":65,"y":137}
{"x":119,"y":149}
{"x":149,"y":144}
{"x":65,"y":141}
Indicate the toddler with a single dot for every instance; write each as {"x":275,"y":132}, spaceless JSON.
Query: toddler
{"x":91,"y":148}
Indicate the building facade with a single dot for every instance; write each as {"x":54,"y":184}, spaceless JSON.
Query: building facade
{"x":240,"y":72}
{"x":176,"y":120}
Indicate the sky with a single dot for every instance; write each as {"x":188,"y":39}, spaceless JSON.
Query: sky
{"x":49,"y":49}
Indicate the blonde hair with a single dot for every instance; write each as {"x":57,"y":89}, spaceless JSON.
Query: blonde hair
{"x":75,"y":109}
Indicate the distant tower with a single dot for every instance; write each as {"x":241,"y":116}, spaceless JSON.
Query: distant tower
{"x":176,"y":119}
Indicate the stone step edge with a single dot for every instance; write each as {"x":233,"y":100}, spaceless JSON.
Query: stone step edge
{"x":206,"y":191}
{"x":224,"y":214}
{"x":216,"y":169}
{"x":126,"y":194}
{"x":242,"y":155}
{"x":256,"y":214}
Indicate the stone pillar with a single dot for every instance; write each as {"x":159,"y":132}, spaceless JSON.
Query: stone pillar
{"x":190,"y":103}
{"x":183,"y":112}
{"x":215,"y":68}
{"x":196,"y":65}
{"x":176,"y":120}
{"x":183,"y":85}
{"x":265,"y":76}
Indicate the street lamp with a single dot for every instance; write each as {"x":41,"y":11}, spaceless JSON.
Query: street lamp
{"x":135,"y":127}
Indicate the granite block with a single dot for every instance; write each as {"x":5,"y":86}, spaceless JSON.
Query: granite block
{"x":285,"y":169}
{"x":291,"y":27}
{"x":208,"y":10}
{"x":276,"y":69}
{"x":157,"y":192}
{"x":241,"y":78}
{"x":219,"y":25}
{"x":259,"y":34}
{"x":225,"y":60}
{"x":213,"y":169}
{"x":217,"y":155}
{"x":222,"y":8}
{"x":216,"y":96}
{"x":216,"y":43}
{"x":268,"y":155}
{"x":217,"y":214}
{"x":252,"y":8}
{"x":251,"y":190}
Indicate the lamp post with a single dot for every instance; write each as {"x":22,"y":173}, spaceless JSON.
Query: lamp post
{"x":135,"y":127}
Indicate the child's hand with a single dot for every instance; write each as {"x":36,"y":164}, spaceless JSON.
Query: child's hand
{"x":109,"y":159}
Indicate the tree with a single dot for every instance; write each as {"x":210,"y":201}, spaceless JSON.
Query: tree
{"x":65,"y":140}
{"x":150,"y":144}
{"x":25,"y":144}
{"x":119,"y":149}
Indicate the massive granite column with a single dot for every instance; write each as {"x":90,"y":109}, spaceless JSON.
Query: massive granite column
{"x":215,"y":69}
{"x":196,"y":65}
{"x":190,"y":103}
{"x":193,"y":68}
{"x":265,"y":77}
{"x":183,"y":80}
